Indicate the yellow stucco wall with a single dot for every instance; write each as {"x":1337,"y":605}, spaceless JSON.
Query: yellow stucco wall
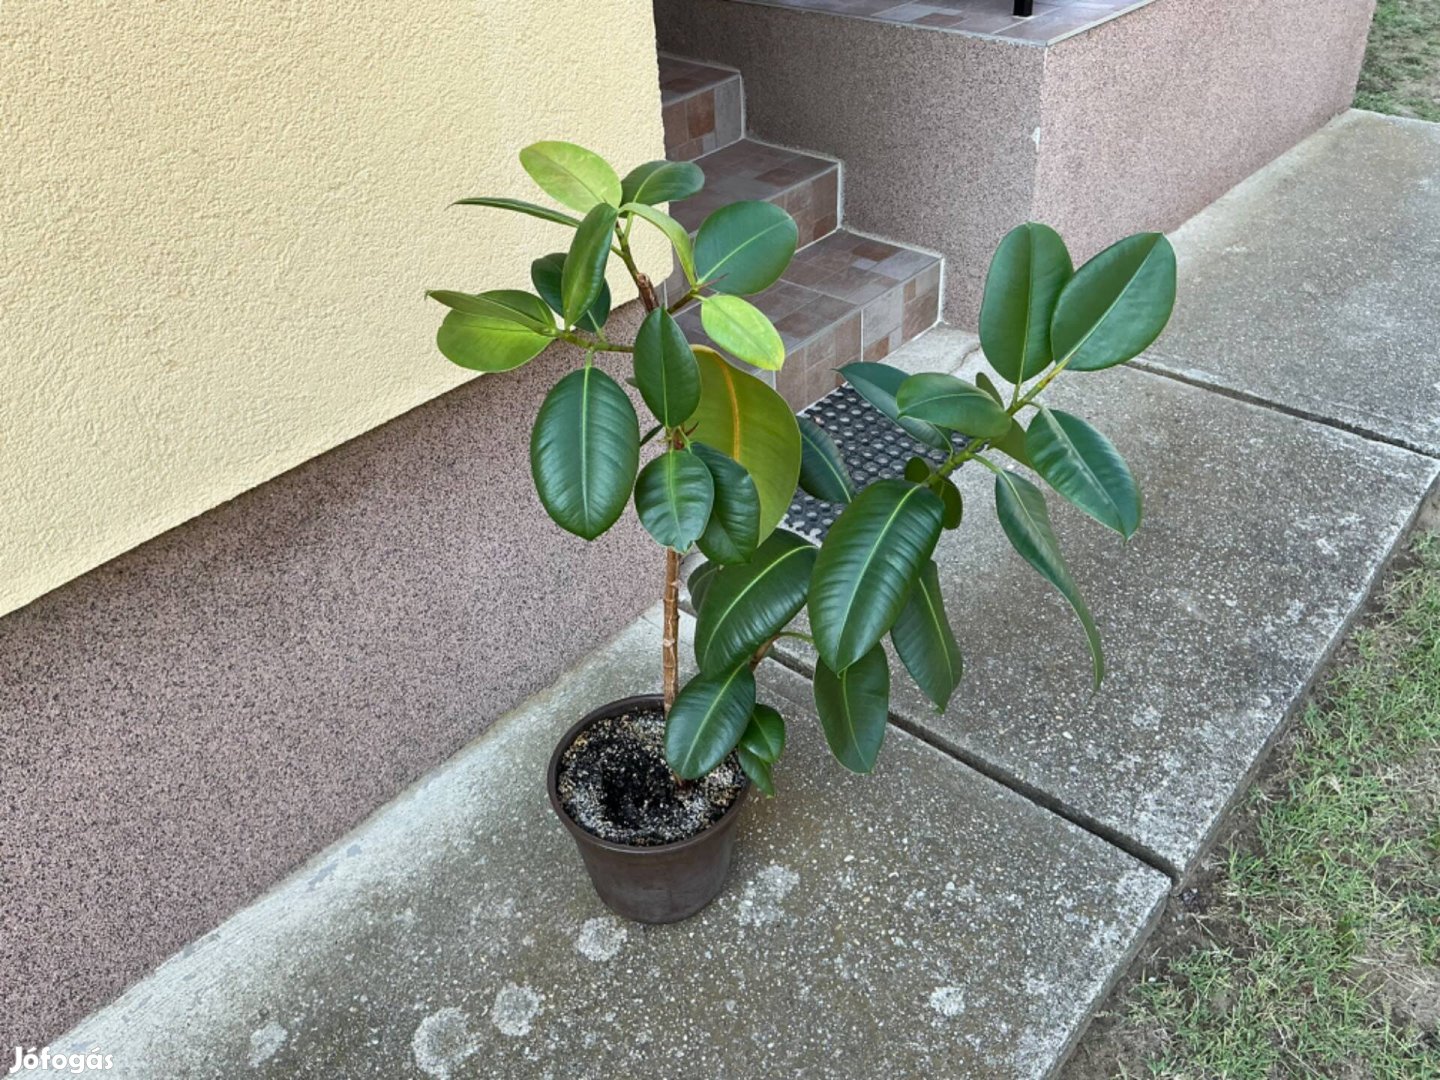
{"x":219,"y":220}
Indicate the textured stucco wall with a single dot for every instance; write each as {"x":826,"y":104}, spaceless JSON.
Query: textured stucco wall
{"x":218,"y":221}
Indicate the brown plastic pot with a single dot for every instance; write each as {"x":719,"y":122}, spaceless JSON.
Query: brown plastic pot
{"x":660,"y":884}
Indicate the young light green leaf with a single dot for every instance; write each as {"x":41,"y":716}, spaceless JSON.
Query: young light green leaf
{"x":706,"y":721}
{"x":1029,"y":269}
{"x":924,"y":641}
{"x":571,"y":175}
{"x":951,"y":403}
{"x":1023,"y":515}
{"x":658,"y":182}
{"x":546,"y":273}
{"x":520,"y":206}
{"x":584,"y":450}
{"x":749,"y":603}
{"x":665,"y":369}
{"x":672,"y":230}
{"x":822,"y":470}
{"x":742,"y":330}
{"x":673,"y":496}
{"x":742,"y":417}
{"x":733,"y":531}
{"x":765,"y":736}
{"x":494,"y":331}
{"x":1116,"y":304}
{"x":877,"y":384}
{"x":854,"y":708}
{"x":583,"y":277}
{"x":1083,"y":466}
{"x":744,"y":247}
{"x":866,"y":566}
{"x":501,"y":305}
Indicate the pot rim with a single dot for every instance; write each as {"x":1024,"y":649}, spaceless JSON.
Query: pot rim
{"x":552,"y":774}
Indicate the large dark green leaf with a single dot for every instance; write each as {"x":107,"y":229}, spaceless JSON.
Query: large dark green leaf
{"x":546,"y":273}
{"x":673,"y":496}
{"x":734,"y":527}
{"x":743,"y":248}
{"x":870,"y":558}
{"x":1084,"y":467}
{"x":571,"y":175}
{"x":583,"y":277}
{"x":758,"y":770}
{"x":749,"y":603}
{"x":658,"y":182}
{"x":854,"y":707}
{"x":700,"y":581}
{"x":877,"y":384}
{"x":1029,"y":269}
{"x":665,"y":369}
{"x":742,"y":330}
{"x":1012,"y":443}
{"x":948,"y":402}
{"x":493,"y":331}
{"x":1116,"y":304}
{"x":822,"y":470}
{"x":584,"y":451}
{"x":765,"y":735}
{"x":742,"y":417}
{"x":1023,"y":515}
{"x":924,"y":641}
{"x":706,"y":721}
{"x":520,"y":206}
{"x":673,"y":231}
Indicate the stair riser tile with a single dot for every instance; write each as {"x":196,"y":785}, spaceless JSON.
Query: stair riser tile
{"x":704,"y":121}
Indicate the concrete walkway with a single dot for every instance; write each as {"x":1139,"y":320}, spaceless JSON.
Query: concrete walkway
{"x":961,"y":912}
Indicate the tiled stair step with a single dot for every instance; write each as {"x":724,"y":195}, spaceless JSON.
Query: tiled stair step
{"x":842,"y":299}
{"x":701,"y":106}
{"x":805,"y":186}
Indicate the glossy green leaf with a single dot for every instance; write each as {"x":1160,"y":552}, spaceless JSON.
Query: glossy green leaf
{"x":520,"y":206}
{"x":672,"y":230}
{"x":951,"y":403}
{"x":953,"y":503}
{"x":1029,"y":269}
{"x":984,"y":382}
{"x":584,"y":450}
{"x":1084,"y":466}
{"x":706,"y":721}
{"x":1012,"y":443}
{"x":571,"y":175}
{"x":673,"y":496}
{"x":822,"y":470}
{"x":871,"y":556}
{"x":758,"y":770}
{"x":877,"y":384}
{"x":749,"y":603}
{"x":733,"y":531}
{"x":765,"y":735}
{"x":546,"y":273}
{"x":918,"y":470}
{"x":925,"y":642}
{"x":699,"y":583}
{"x":665,"y":370}
{"x":1023,"y":515}
{"x":583,"y":277}
{"x":742,"y":330}
{"x":854,"y":708}
{"x":742,"y":417}
{"x":493,"y":331}
{"x":658,"y":182}
{"x":743,"y":248}
{"x":1116,"y":304}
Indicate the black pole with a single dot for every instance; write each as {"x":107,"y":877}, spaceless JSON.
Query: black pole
{"x":1024,"y":8}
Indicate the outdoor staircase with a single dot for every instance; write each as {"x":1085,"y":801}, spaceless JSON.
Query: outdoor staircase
{"x":845,"y":297}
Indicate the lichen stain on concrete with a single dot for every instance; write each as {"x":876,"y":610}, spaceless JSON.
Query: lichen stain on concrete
{"x":515,"y":1009}
{"x":265,"y":1042}
{"x":760,"y":902}
{"x":948,"y":1001}
{"x":600,"y":939}
{"x":442,"y":1042}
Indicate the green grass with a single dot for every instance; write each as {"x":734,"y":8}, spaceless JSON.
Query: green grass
{"x":1317,"y":950}
{"x":1402,"y":63}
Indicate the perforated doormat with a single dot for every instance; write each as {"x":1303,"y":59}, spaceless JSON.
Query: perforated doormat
{"x":873,"y":446}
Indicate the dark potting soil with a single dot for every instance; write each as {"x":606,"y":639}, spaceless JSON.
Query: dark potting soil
{"x":614,"y":783}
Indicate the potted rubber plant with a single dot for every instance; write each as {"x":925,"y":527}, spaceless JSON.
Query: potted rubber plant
{"x":651,"y":787}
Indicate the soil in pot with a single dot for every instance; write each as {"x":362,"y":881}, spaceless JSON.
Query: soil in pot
{"x":614,"y":783}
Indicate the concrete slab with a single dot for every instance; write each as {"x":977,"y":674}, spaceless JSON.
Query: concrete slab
{"x":1262,"y":537}
{"x":920,"y":922}
{"x":1313,"y":284}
